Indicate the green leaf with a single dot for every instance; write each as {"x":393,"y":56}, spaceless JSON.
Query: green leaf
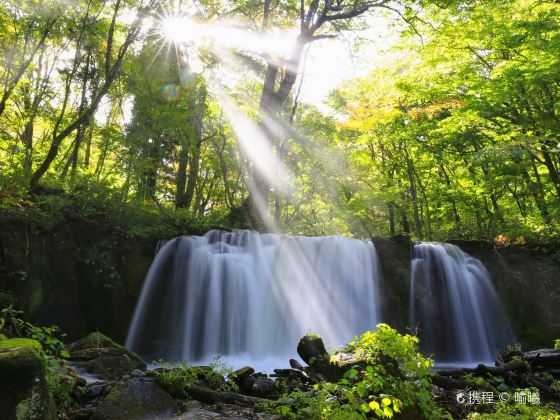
{"x":352,"y":373}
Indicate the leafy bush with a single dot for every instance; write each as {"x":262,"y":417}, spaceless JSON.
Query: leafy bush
{"x":557,"y":344}
{"x":395,"y":377}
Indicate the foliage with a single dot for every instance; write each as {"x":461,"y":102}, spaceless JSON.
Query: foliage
{"x":518,"y":411}
{"x":459,"y":132}
{"x":452,"y":135}
{"x":184,"y":375}
{"x":396,"y":377}
{"x":557,"y":344}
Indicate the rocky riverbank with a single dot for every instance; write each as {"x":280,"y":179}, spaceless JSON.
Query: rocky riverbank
{"x":98,"y":379}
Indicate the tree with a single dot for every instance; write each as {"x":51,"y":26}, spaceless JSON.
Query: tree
{"x":113,"y":59}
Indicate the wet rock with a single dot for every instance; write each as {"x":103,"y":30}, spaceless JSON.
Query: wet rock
{"x":137,"y":398}
{"x":98,"y":355}
{"x":294,"y":364}
{"x":263,"y":387}
{"x":244,"y":379}
{"x":311,"y":348}
{"x":24,"y":393}
{"x":199,"y":414}
{"x":137,"y":373}
{"x":246,"y":385}
{"x":242,"y":373}
{"x":95,"y":390}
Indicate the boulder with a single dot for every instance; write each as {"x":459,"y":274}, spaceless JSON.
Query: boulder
{"x":24,"y":394}
{"x":98,"y":355}
{"x":136,"y":398}
{"x":311,"y":348}
{"x":263,"y":387}
{"x":242,"y":373}
{"x":93,"y":341}
{"x":244,"y":379}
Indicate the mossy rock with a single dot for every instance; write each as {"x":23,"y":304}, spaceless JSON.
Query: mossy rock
{"x":3,"y":337}
{"x":137,"y":398}
{"x":111,"y":367}
{"x":24,"y":393}
{"x":93,"y":341}
{"x":98,"y":340}
{"x":101,"y":356}
{"x":311,"y":348}
{"x":19,"y":343}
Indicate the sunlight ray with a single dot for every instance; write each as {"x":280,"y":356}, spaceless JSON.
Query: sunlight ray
{"x":178,"y":29}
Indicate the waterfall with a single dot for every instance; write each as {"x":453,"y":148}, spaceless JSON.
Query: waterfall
{"x":254,"y":295}
{"x":455,"y":306}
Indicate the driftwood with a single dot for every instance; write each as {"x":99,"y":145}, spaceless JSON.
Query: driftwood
{"x":210,"y":396}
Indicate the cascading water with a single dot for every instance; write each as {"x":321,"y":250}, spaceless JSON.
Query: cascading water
{"x":453,"y":302}
{"x":245,"y":294}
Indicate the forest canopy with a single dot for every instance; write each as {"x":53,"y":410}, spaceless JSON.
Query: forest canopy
{"x":193,"y":109}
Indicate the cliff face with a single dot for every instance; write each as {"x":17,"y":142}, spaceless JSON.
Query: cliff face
{"x":85,"y":276}
{"x":527,"y":278}
{"x":79,"y":275}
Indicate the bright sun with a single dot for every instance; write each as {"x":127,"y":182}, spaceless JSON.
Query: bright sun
{"x":178,"y":29}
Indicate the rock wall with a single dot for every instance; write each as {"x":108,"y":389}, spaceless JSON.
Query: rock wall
{"x":527,"y":278}
{"x":79,"y":275}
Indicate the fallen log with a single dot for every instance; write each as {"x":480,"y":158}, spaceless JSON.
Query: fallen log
{"x":210,"y":396}
{"x":545,"y":358}
{"x":294,"y":374}
{"x":514,"y":365}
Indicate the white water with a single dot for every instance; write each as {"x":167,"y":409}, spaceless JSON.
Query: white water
{"x":251,"y":296}
{"x":454,"y":304}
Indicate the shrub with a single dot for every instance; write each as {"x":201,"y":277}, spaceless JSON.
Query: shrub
{"x":395,"y":377}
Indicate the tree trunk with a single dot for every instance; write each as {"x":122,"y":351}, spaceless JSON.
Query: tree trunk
{"x":193,"y":175}
{"x":391,"y":211}
{"x":181,"y":181}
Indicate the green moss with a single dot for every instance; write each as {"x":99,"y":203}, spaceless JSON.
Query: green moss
{"x":94,"y":340}
{"x":3,"y":337}
{"x":20,"y":343}
{"x":38,"y":405}
{"x":98,"y":340}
